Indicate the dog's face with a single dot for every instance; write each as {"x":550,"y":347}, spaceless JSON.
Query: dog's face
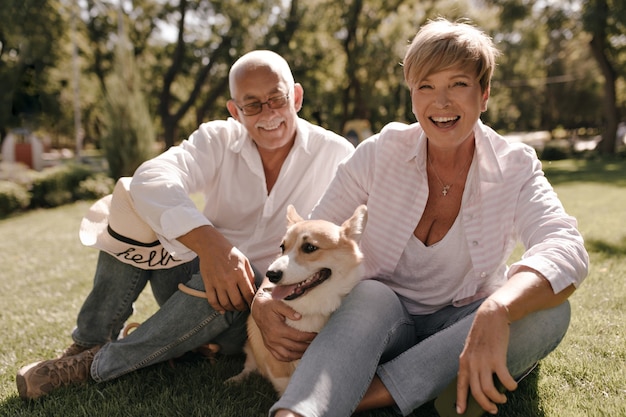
{"x":320,"y":262}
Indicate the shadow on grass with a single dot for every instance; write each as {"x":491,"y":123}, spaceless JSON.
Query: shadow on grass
{"x":606,"y":248}
{"x":607,"y":171}
{"x":191,"y":387}
{"x":195,"y":388}
{"x":524,"y":402}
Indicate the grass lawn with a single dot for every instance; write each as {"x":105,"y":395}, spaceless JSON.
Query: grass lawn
{"x":45,"y":274}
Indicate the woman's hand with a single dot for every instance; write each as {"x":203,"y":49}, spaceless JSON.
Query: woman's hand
{"x":483,"y":357}
{"x":487,"y":343}
{"x":284,"y":342}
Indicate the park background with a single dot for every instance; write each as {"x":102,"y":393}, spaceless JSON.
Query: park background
{"x":97,"y":87}
{"x":78,"y":73}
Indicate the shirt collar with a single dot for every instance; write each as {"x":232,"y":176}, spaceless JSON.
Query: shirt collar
{"x":302,"y":137}
{"x":490,"y":166}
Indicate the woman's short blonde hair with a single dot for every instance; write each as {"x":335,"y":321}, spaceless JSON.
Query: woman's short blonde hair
{"x":440,"y":45}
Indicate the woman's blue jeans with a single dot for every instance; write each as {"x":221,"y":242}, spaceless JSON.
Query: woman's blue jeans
{"x":181,"y":324}
{"x":416,"y":357}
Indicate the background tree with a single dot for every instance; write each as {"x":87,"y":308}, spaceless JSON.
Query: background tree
{"x":570,"y":74}
{"x":31,"y":35}
{"x":98,"y":39}
{"x":193,"y":71}
{"x":352,"y":53}
{"x":544,"y":78}
{"x":347,"y":55}
{"x":129,"y":134}
{"x":605,"y":21}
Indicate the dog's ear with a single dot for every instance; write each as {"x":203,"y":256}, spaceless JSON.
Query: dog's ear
{"x":292,"y":215}
{"x":353,"y":227}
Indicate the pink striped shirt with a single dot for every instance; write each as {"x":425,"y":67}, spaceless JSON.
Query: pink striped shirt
{"x":506,"y":200}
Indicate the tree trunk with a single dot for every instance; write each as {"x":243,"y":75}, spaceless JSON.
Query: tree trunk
{"x":598,"y":49}
{"x":607,"y":145}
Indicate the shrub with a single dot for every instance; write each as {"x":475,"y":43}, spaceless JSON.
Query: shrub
{"x":95,"y":187}
{"x":129,"y":132}
{"x":13,"y":197}
{"x":58,"y":185}
{"x":17,"y":172}
{"x":555,"y":152}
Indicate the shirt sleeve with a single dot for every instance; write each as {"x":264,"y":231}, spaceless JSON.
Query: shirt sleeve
{"x":161,"y":187}
{"x":555,"y":247}
{"x":350,"y":186}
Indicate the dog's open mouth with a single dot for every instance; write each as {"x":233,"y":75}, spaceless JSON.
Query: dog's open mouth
{"x":291,"y":292}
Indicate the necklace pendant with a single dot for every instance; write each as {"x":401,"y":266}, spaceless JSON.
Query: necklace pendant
{"x":445,"y":190}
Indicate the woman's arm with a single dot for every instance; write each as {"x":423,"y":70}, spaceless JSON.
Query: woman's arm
{"x":486,"y":346}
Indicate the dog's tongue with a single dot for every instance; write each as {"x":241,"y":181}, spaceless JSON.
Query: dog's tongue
{"x":279,"y":292}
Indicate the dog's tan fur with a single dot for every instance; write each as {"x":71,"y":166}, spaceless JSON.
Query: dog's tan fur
{"x":309,"y":246}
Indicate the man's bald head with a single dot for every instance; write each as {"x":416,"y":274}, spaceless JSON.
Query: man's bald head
{"x":260,"y":59}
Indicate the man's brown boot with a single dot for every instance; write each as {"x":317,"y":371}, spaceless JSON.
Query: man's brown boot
{"x":41,"y":378}
{"x":73,"y":349}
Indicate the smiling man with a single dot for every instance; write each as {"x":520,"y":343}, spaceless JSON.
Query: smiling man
{"x":248,"y":169}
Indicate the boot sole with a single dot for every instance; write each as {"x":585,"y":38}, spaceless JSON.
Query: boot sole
{"x":22,"y":387}
{"x":22,"y":383}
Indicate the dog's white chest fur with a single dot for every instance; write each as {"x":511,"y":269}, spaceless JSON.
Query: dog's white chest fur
{"x":310,"y":322}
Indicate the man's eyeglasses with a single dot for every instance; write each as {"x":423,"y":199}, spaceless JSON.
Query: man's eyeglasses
{"x":256,"y":108}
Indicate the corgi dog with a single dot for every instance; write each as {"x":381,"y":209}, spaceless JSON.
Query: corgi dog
{"x":320,"y":263}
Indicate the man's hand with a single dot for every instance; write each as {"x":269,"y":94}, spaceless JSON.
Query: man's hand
{"x":226,"y":272}
{"x":284,"y":342}
{"x":228,"y":281}
{"x":483,"y":357}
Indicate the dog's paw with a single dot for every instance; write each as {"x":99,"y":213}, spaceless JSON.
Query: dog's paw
{"x":238,"y":378}
{"x":209,"y":351}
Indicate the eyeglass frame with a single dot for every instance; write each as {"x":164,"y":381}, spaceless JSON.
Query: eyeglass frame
{"x":261,"y":104}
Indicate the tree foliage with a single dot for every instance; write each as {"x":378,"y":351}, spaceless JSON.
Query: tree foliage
{"x":605,"y":20}
{"x":128,"y":131}
{"x":563,"y":62}
{"x":31,"y":35}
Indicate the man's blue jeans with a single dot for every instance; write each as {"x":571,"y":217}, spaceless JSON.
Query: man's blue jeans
{"x":416,"y":357}
{"x":116,"y":287}
{"x":181,"y":324}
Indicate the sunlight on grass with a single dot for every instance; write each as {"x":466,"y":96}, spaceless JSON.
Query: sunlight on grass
{"x":588,"y":367}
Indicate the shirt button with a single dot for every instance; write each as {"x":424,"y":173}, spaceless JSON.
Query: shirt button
{"x":474,"y":243}
{"x":483,"y":274}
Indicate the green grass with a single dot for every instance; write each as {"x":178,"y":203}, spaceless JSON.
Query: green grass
{"x":45,"y":274}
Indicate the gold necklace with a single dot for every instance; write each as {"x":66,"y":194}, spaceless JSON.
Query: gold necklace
{"x":446,"y":187}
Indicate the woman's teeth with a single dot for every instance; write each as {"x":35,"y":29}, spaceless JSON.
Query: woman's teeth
{"x":443,"y":119}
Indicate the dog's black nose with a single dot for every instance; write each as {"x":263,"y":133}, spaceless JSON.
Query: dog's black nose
{"x":274,"y":276}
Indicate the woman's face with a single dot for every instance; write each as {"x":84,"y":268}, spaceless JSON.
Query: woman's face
{"x":447,"y":105}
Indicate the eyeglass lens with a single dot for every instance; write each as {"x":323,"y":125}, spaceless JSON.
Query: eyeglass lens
{"x":273,"y":103}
